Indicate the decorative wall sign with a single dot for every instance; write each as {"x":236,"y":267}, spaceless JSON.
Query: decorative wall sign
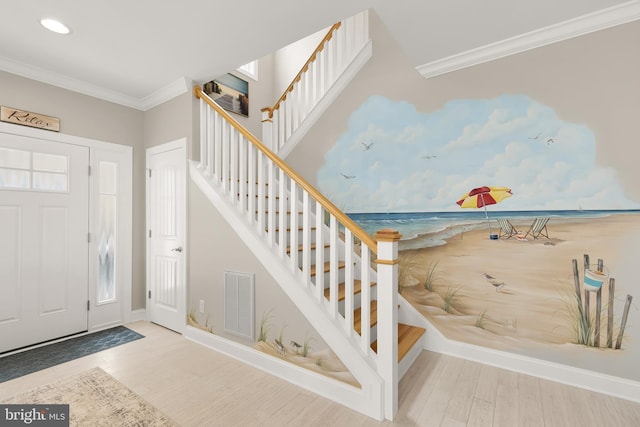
{"x":27,"y":118}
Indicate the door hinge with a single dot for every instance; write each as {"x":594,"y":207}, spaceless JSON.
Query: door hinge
{"x":88,"y":305}
{"x":89,"y":237}
{"x":149,"y":294}
{"x":149,"y":233}
{"x":149,"y":172}
{"x":89,"y":170}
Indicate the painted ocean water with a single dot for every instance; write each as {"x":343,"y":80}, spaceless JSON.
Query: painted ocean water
{"x":426,"y":229}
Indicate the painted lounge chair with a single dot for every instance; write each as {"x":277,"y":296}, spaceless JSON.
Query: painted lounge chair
{"x":539,"y":228}
{"x":506,"y":228}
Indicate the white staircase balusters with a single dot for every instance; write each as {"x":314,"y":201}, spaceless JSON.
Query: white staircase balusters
{"x":268,"y":196}
{"x":320,"y":259}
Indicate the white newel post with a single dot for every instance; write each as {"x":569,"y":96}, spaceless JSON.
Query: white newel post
{"x":388,"y":317}
{"x":267,"y":129}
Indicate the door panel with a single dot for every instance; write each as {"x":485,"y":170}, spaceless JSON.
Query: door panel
{"x":166,"y":282}
{"x":54,"y":248}
{"x":166,"y":216}
{"x":44,"y":219}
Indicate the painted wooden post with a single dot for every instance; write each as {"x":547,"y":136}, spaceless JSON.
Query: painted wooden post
{"x":612,"y":289}
{"x":576,"y":281}
{"x":388,"y":317}
{"x":587,"y":294}
{"x":596,"y":333}
{"x":623,"y":324}
{"x":267,"y":129}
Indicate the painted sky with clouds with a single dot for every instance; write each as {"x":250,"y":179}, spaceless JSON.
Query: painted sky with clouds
{"x":424,"y":162}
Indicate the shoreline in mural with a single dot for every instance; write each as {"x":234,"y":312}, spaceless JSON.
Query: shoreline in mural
{"x":518,"y":294}
{"x":425,"y":229}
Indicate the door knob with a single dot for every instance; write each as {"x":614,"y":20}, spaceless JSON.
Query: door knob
{"x":178,"y":249}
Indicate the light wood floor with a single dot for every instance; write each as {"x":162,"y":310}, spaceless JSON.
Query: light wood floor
{"x":199,"y":387}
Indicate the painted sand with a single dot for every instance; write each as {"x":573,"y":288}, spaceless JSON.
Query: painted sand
{"x":324,"y":362}
{"x":530,"y":313}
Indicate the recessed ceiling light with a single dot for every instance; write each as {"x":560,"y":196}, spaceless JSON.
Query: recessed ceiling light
{"x":55,"y":26}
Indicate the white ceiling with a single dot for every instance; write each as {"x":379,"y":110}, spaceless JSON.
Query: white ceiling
{"x":133,"y":51}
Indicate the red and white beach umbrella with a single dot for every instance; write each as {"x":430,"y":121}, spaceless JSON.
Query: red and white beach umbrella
{"x":482,"y":196}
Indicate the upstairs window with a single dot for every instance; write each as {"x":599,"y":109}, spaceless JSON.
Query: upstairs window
{"x":250,"y":69}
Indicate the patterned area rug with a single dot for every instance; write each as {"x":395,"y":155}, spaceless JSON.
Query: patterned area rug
{"x":95,"y":398}
{"x":26,"y":362}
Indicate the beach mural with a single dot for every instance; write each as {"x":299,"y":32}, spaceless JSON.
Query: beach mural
{"x":299,"y":350}
{"x":274,"y":340}
{"x":515,"y":236}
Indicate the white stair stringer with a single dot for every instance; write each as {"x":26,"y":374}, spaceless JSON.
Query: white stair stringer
{"x":325,"y":102}
{"x":369,"y":398}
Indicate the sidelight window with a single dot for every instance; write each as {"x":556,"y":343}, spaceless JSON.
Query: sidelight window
{"x":107,"y":226}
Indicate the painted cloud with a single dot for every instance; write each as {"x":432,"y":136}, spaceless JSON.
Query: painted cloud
{"x":396,"y":159}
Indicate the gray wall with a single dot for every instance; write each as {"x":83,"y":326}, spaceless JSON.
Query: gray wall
{"x":213,"y":248}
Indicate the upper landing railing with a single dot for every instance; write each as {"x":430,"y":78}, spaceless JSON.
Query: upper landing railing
{"x":343,"y":42}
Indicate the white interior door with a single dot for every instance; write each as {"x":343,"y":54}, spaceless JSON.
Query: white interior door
{"x":166,"y":223}
{"x":44,"y":225}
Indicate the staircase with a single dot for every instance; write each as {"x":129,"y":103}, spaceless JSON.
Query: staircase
{"x":342,"y":280}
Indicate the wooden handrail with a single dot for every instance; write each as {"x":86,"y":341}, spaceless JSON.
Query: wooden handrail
{"x":326,"y":203}
{"x":304,"y":68}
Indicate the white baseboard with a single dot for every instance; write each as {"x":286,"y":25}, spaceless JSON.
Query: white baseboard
{"x":557,"y":372}
{"x":337,"y":391}
{"x":138,"y":315}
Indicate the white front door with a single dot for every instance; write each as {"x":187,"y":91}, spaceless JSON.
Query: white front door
{"x":44,"y":226}
{"x":166,"y":227}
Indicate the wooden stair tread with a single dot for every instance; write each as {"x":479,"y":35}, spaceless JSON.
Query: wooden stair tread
{"x":373,"y":316}
{"x":357,"y":288}
{"x":407,"y":336}
{"x":288,"y":229}
{"x":278,"y":212}
{"x":313,"y":247}
{"x":327,"y":267}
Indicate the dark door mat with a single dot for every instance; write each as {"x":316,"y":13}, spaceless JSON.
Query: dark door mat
{"x":26,"y":362}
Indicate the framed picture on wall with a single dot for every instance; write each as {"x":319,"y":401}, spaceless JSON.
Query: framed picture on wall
{"x":229,"y":92}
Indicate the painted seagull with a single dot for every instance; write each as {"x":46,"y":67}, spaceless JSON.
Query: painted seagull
{"x":550,"y":141}
{"x":347,"y":176}
{"x":429,"y":157}
{"x":366,"y":146}
{"x":535,"y":137}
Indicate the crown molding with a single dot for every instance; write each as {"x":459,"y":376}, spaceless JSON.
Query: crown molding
{"x":164,"y":94}
{"x":585,"y":24}
{"x":161,"y":95}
